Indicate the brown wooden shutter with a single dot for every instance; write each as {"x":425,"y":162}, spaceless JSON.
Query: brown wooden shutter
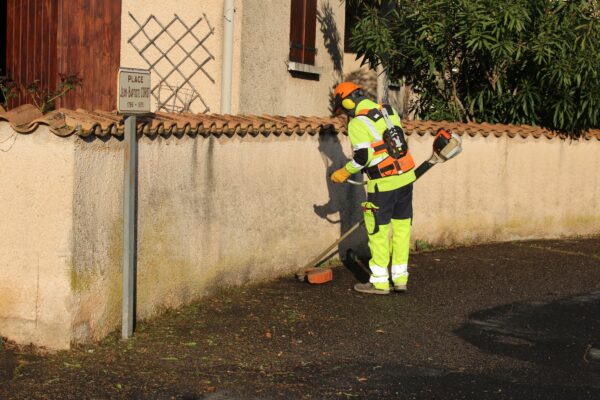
{"x":48,"y":37}
{"x":31,"y":44}
{"x":90,"y":44}
{"x":310,"y":32}
{"x":303,"y":30}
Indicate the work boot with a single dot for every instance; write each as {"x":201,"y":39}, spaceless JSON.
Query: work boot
{"x":400,"y":283}
{"x":370,"y":288}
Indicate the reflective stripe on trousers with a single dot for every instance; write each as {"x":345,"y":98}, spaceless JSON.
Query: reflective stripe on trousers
{"x":382,"y":247}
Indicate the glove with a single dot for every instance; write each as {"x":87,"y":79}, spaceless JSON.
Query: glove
{"x":340,"y":176}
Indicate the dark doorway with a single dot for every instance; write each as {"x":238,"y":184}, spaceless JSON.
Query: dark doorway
{"x":3,"y":43}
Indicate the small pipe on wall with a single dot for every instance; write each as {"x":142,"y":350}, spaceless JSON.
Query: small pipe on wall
{"x":229,"y":13}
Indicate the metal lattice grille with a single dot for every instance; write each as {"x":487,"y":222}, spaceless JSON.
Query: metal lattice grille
{"x":175,"y":53}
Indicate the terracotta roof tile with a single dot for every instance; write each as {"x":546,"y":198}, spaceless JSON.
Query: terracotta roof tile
{"x":65,"y":122}
{"x":21,"y":118}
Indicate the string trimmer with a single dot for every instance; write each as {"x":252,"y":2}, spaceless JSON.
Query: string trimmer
{"x":446,"y":145}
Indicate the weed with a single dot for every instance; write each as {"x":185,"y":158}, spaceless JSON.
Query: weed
{"x":8,"y":90}
{"x":41,"y":96}
{"x":422,"y":246}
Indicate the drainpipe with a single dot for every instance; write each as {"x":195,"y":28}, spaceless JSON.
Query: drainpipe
{"x":229,"y":12}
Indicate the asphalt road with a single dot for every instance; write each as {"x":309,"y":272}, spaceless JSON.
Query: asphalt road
{"x":502,"y":321}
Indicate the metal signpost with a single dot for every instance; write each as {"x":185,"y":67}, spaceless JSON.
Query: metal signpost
{"x":133,"y":99}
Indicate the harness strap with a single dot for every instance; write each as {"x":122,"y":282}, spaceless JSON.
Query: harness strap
{"x":378,"y":147}
{"x":391,"y":166}
{"x":386,"y":165}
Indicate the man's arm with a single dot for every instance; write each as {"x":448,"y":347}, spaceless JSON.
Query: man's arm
{"x":360,"y":139}
{"x":361,"y":151}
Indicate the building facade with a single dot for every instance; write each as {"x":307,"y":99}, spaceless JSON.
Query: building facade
{"x":286,"y":55}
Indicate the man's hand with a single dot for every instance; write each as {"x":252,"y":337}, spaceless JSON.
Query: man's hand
{"x":340,"y":176}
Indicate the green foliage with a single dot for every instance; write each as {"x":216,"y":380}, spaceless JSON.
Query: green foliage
{"x":502,"y":61}
{"x":45,"y":100}
{"x":423,"y":246}
{"x":40,"y":96}
{"x":8,"y":90}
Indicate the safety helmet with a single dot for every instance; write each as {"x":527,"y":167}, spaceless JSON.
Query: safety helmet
{"x":346,"y":96}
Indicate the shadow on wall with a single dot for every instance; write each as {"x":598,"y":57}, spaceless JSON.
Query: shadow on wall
{"x":343,"y":207}
{"x":366,"y":79}
{"x":332,"y":40}
{"x":401,"y":97}
{"x":331,"y":36}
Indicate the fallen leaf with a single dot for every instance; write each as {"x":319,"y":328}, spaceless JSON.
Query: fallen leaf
{"x":269,"y":335}
{"x":361,"y":379}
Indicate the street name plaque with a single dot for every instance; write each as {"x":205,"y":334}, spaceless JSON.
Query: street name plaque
{"x":134,"y":91}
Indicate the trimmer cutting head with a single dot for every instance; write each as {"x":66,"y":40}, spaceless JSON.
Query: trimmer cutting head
{"x":315,"y":276}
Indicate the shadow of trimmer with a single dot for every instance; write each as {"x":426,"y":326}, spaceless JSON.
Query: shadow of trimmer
{"x":358,"y":267}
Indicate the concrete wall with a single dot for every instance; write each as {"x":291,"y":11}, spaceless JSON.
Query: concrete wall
{"x":36,"y":237}
{"x":225,"y":211}
{"x":510,"y":189}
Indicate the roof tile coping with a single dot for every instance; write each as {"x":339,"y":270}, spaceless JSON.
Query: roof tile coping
{"x":65,"y":122}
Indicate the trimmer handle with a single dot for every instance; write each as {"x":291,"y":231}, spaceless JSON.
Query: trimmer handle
{"x":424,"y":167}
{"x":421,"y":169}
{"x":356,"y":183}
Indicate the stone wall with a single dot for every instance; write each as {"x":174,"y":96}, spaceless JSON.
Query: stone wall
{"x":219,"y":211}
{"x":36,"y":237}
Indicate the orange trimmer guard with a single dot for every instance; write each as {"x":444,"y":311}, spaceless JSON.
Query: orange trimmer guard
{"x":318,"y":276}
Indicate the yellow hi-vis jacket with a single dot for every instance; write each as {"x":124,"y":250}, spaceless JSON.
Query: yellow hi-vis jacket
{"x":363,"y":132}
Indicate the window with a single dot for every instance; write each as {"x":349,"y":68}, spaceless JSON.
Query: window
{"x":303,"y":27}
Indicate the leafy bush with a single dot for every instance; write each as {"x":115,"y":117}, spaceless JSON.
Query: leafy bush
{"x":531,"y":62}
{"x":40,"y":96}
{"x":8,"y":90}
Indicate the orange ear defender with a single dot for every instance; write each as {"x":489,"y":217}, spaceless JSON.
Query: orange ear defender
{"x":348,"y":104}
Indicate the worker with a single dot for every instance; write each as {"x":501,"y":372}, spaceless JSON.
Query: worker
{"x":380,"y":151}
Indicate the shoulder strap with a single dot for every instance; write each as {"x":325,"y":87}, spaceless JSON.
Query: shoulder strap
{"x":386,"y":116}
{"x":373,"y":114}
